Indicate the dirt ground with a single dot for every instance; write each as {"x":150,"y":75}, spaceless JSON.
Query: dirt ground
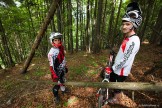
{"x":34,"y":89}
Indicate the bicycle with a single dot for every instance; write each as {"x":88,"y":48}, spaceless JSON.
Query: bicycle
{"x":103,"y":93}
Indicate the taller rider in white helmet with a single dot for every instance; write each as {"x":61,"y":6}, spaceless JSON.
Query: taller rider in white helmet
{"x":128,"y":49}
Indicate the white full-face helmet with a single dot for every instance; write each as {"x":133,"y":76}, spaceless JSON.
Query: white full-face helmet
{"x":133,"y":14}
{"x":55,"y":35}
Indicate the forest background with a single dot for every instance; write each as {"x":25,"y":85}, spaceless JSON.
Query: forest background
{"x":86,"y":25}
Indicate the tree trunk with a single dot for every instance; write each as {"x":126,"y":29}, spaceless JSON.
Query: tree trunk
{"x":9,"y":61}
{"x":110,"y":27}
{"x":93,"y":26}
{"x":77,"y":45}
{"x":116,"y":23}
{"x":87,"y":38}
{"x":97,"y":41}
{"x":156,"y":37}
{"x":70,"y":25}
{"x":59,"y":18}
{"x":149,"y":8}
{"x":81,"y":27}
{"x":103,"y":28}
{"x":30,"y":16}
{"x":40,"y":34}
{"x":2,"y":56}
{"x":64,"y":24}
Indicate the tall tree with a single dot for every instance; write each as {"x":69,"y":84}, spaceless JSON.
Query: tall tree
{"x":70,"y":26}
{"x":156,"y":37}
{"x":59,"y":18}
{"x":98,"y":28}
{"x":87,"y":28}
{"x":5,"y":45}
{"x":93,"y":26}
{"x":146,"y":21}
{"x":29,"y":3}
{"x":77,"y":29}
{"x":103,"y":28}
{"x":116,"y":23}
{"x":110,"y":27}
{"x":82,"y":40}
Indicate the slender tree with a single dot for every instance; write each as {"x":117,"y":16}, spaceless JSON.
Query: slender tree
{"x":116,"y":23}
{"x":59,"y":18}
{"x":93,"y":26}
{"x":146,"y":21}
{"x":156,"y":37}
{"x":70,"y":26}
{"x":87,"y":28}
{"x":77,"y":29}
{"x":98,"y":28}
{"x":5,"y":45}
{"x":110,"y":27}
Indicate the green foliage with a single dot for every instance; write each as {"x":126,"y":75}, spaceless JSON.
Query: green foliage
{"x":39,"y":73}
{"x":79,"y":70}
{"x":27,"y":77}
{"x":22,"y":24}
{"x":65,"y":104}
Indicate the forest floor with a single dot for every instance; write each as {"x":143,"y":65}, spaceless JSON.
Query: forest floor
{"x":33,"y":90}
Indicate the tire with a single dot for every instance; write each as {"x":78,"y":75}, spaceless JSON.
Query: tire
{"x":100,"y":101}
{"x":101,"y":98}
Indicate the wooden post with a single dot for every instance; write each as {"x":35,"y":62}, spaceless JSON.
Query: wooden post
{"x":41,"y":32}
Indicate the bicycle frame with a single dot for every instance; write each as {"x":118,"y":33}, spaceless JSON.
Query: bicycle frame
{"x":103,"y":93}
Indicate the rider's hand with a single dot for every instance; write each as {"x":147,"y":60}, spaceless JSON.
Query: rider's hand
{"x":54,"y":77}
{"x":108,"y":70}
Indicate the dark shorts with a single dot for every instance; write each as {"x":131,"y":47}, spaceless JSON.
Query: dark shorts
{"x":117,"y":78}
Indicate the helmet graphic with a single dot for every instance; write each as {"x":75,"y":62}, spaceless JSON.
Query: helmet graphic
{"x":54,"y":35}
{"x":133,"y":14}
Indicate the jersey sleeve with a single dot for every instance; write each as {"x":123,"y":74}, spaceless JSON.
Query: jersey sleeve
{"x":51,"y":58}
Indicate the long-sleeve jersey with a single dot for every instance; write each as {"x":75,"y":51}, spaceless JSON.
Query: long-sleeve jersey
{"x":125,"y":57}
{"x":57,"y":60}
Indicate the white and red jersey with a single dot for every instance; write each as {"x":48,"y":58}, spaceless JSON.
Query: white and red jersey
{"x":56,"y":59}
{"x":125,"y":57}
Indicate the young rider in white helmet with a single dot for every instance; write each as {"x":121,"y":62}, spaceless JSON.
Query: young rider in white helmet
{"x":57,"y":63}
{"x":128,"y":49}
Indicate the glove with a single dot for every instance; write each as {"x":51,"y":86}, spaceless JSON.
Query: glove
{"x":108,"y":70}
{"x":53,"y":75}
